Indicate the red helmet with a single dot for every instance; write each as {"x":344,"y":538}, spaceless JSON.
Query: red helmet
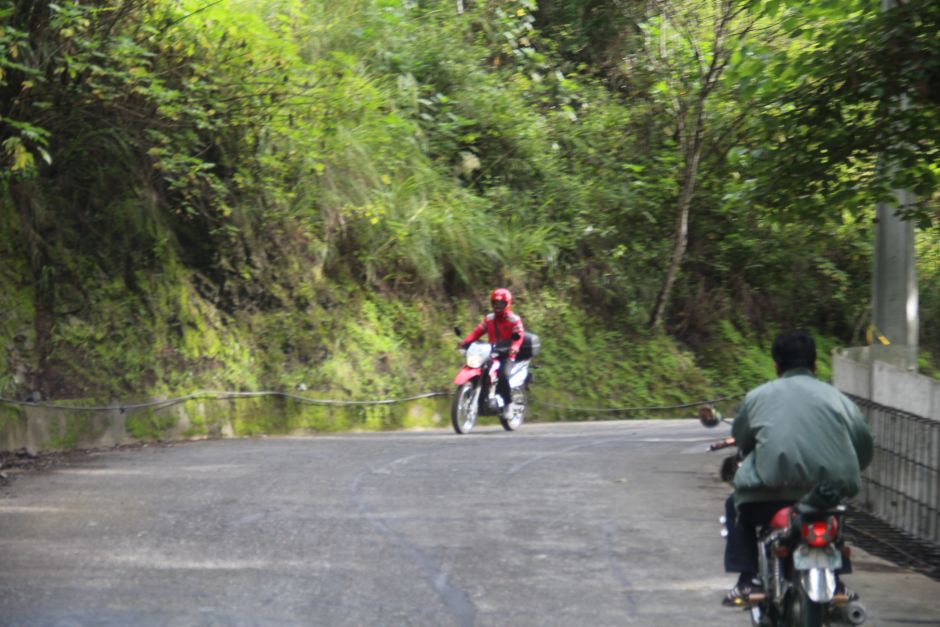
{"x":501,"y":293}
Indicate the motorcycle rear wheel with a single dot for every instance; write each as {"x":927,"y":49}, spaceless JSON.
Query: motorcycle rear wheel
{"x":756,"y":615}
{"x":514,"y":416}
{"x":804,"y":612}
{"x":465,"y":407}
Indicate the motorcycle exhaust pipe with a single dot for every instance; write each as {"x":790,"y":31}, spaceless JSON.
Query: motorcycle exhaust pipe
{"x":854,"y":613}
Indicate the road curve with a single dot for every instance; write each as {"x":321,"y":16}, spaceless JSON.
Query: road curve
{"x":600,"y":523}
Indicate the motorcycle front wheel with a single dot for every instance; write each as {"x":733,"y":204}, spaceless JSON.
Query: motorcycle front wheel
{"x":465,"y":407}
{"x":514,"y":415}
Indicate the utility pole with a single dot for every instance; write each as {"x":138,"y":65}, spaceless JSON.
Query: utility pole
{"x":894,"y":284}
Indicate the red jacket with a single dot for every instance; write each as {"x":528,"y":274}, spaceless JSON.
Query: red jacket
{"x":499,"y":329}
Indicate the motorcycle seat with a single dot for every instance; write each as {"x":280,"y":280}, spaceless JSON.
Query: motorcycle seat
{"x":781,"y":519}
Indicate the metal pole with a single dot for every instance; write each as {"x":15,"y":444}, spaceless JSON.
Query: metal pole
{"x":894,"y":284}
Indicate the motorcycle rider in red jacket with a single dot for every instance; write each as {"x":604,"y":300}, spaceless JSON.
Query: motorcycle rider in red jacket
{"x":499,"y":326}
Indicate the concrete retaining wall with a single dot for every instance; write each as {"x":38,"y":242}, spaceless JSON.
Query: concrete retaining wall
{"x":859,"y":372}
{"x":38,"y":427}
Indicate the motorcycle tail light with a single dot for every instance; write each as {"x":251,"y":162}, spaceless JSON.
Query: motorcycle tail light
{"x":821,"y":532}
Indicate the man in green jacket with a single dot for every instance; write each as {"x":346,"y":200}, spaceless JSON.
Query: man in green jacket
{"x":793,"y":433}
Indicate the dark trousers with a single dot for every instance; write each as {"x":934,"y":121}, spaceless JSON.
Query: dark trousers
{"x":741,"y":542}
{"x":502,"y":380}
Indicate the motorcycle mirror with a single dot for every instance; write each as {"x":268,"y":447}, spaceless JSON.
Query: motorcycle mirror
{"x":709,"y":416}
{"x":457,"y":332}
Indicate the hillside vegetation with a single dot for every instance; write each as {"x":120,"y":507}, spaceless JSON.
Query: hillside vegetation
{"x":311,"y":194}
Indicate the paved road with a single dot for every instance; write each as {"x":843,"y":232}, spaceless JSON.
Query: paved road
{"x":559,"y":524}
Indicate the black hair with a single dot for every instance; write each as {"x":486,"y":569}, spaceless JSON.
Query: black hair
{"x":794,"y":349}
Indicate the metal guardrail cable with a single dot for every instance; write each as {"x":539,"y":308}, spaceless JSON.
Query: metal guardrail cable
{"x":219,"y":396}
{"x":227,"y":395}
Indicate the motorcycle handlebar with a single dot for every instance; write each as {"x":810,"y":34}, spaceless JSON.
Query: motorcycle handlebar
{"x":720,"y":444}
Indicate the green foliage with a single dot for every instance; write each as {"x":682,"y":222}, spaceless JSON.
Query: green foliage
{"x":150,"y":425}
{"x":198,"y":427}
{"x":300,"y":195}
{"x":928,"y":276}
{"x":72,"y":429}
{"x":853,"y":116}
{"x":10,"y":415}
{"x":738,"y":362}
{"x":17,"y":307}
{"x":615,"y":367}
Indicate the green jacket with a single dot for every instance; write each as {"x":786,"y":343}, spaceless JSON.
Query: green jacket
{"x":795,"y":432}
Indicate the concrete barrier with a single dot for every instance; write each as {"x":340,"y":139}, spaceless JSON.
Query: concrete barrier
{"x":861,"y":372}
{"x":902,"y":485}
{"x":43,"y":427}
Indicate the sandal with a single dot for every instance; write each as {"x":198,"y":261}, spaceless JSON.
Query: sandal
{"x":736,"y":597}
{"x":739,"y":596}
{"x":848,"y":593}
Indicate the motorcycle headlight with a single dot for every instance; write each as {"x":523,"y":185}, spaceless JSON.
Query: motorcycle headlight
{"x":477,"y":354}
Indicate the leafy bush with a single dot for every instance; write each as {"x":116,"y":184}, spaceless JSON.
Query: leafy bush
{"x":274,"y":193}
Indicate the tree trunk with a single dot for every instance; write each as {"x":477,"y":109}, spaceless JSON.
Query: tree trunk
{"x":681,"y":240}
{"x":691,"y":129}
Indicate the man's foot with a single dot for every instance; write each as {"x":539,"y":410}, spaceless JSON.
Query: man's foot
{"x":736,"y":597}
{"x":740,"y":595}
{"x":842,"y":589}
{"x":506,"y":409}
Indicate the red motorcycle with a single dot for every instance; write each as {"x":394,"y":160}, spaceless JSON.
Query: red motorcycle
{"x":799,"y":554}
{"x":476,"y":393}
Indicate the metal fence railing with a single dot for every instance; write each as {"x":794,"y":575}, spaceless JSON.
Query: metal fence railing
{"x":902,"y":484}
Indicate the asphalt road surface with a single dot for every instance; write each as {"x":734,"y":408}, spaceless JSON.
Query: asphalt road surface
{"x":595,"y":524}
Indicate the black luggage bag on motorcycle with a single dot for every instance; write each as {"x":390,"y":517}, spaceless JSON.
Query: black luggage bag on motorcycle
{"x":531,"y":346}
